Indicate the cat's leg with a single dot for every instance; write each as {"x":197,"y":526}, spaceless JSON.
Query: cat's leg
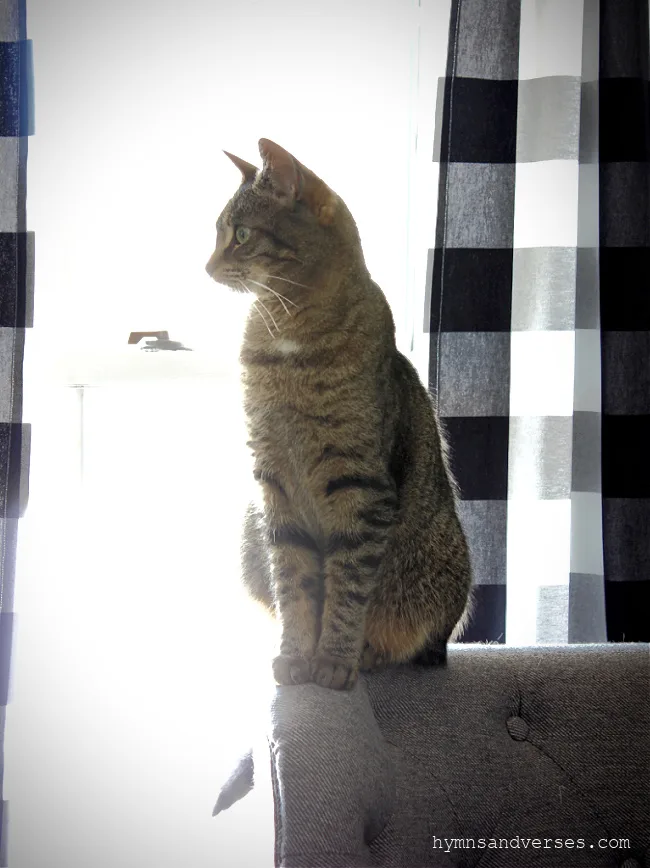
{"x":297,"y":589}
{"x":296,"y":585}
{"x":364,"y":507}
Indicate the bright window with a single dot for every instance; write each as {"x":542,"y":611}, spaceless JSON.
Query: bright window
{"x":129,"y":649}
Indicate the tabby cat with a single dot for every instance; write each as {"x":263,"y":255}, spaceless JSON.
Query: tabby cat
{"x":355,"y":544}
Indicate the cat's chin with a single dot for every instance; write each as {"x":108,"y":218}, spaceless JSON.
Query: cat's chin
{"x":233,"y":285}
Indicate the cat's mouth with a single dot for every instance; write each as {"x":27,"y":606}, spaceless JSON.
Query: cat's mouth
{"x":235,"y":282}
{"x":242,"y":282}
{"x":232,"y":279}
{"x":262,"y":284}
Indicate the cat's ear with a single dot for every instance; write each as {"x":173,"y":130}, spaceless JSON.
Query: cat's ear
{"x":280,"y":168}
{"x":296,"y":182}
{"x":248,"y":170}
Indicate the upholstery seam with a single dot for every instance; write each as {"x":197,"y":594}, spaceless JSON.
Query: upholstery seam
{"x":277,"y":808}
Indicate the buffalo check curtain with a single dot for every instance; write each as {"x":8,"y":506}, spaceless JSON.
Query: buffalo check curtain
{"x":540,"y":313}
{"x":15,"y":317}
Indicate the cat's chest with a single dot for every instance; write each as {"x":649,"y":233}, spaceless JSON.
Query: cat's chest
{"x":290,"y":409}
{"x":289,"y":380}
{"x":285,"y":347}
{"x":286,"y":405}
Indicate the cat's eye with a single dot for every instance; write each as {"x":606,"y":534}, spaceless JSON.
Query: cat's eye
{"x":242,"y":234}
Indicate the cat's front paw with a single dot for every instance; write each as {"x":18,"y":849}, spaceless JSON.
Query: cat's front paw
{"x":337,"y":673}
{"x":291,"y":670}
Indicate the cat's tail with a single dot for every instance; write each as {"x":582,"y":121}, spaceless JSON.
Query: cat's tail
{"x":434,"y":652}
{"x":465,"y":618}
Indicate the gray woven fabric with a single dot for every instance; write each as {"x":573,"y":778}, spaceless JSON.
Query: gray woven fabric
{"x":325,"y":821}
{"x":503,"y":743}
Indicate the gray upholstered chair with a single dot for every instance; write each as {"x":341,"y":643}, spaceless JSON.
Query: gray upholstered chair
{"x":505,"y":757}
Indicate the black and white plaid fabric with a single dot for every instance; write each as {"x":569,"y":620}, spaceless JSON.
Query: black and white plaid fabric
{"x":624,"y":209}
{"x":15,"y":316}
{"x":541,"y":260}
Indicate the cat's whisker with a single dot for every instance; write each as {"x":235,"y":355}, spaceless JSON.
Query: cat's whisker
{"x":262,"y":318}
{"x":286,"y":280}
{"x":281,"y":298}
{"x":279,"y":295}
{"x":248,"y":289}
{"x":270,"y":314}
{"x":259,"y":312}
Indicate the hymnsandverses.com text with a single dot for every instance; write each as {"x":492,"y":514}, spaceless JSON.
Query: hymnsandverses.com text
{"x":521,"y":843}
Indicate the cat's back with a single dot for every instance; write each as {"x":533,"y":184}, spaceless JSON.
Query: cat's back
{"x":420,"y":461}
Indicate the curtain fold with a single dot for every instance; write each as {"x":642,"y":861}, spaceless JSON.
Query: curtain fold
{"x":16,"y":260}
{"x":538,"y":328}
{"x":624,"y":178}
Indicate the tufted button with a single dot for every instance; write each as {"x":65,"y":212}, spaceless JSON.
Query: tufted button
{"x":518,"y":728}
{"x":630,"y":863}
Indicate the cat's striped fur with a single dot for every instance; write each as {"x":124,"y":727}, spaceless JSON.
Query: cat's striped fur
{"x":355,"y":544}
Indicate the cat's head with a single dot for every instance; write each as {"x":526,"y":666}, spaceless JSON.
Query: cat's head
{"x":283,"y":222}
